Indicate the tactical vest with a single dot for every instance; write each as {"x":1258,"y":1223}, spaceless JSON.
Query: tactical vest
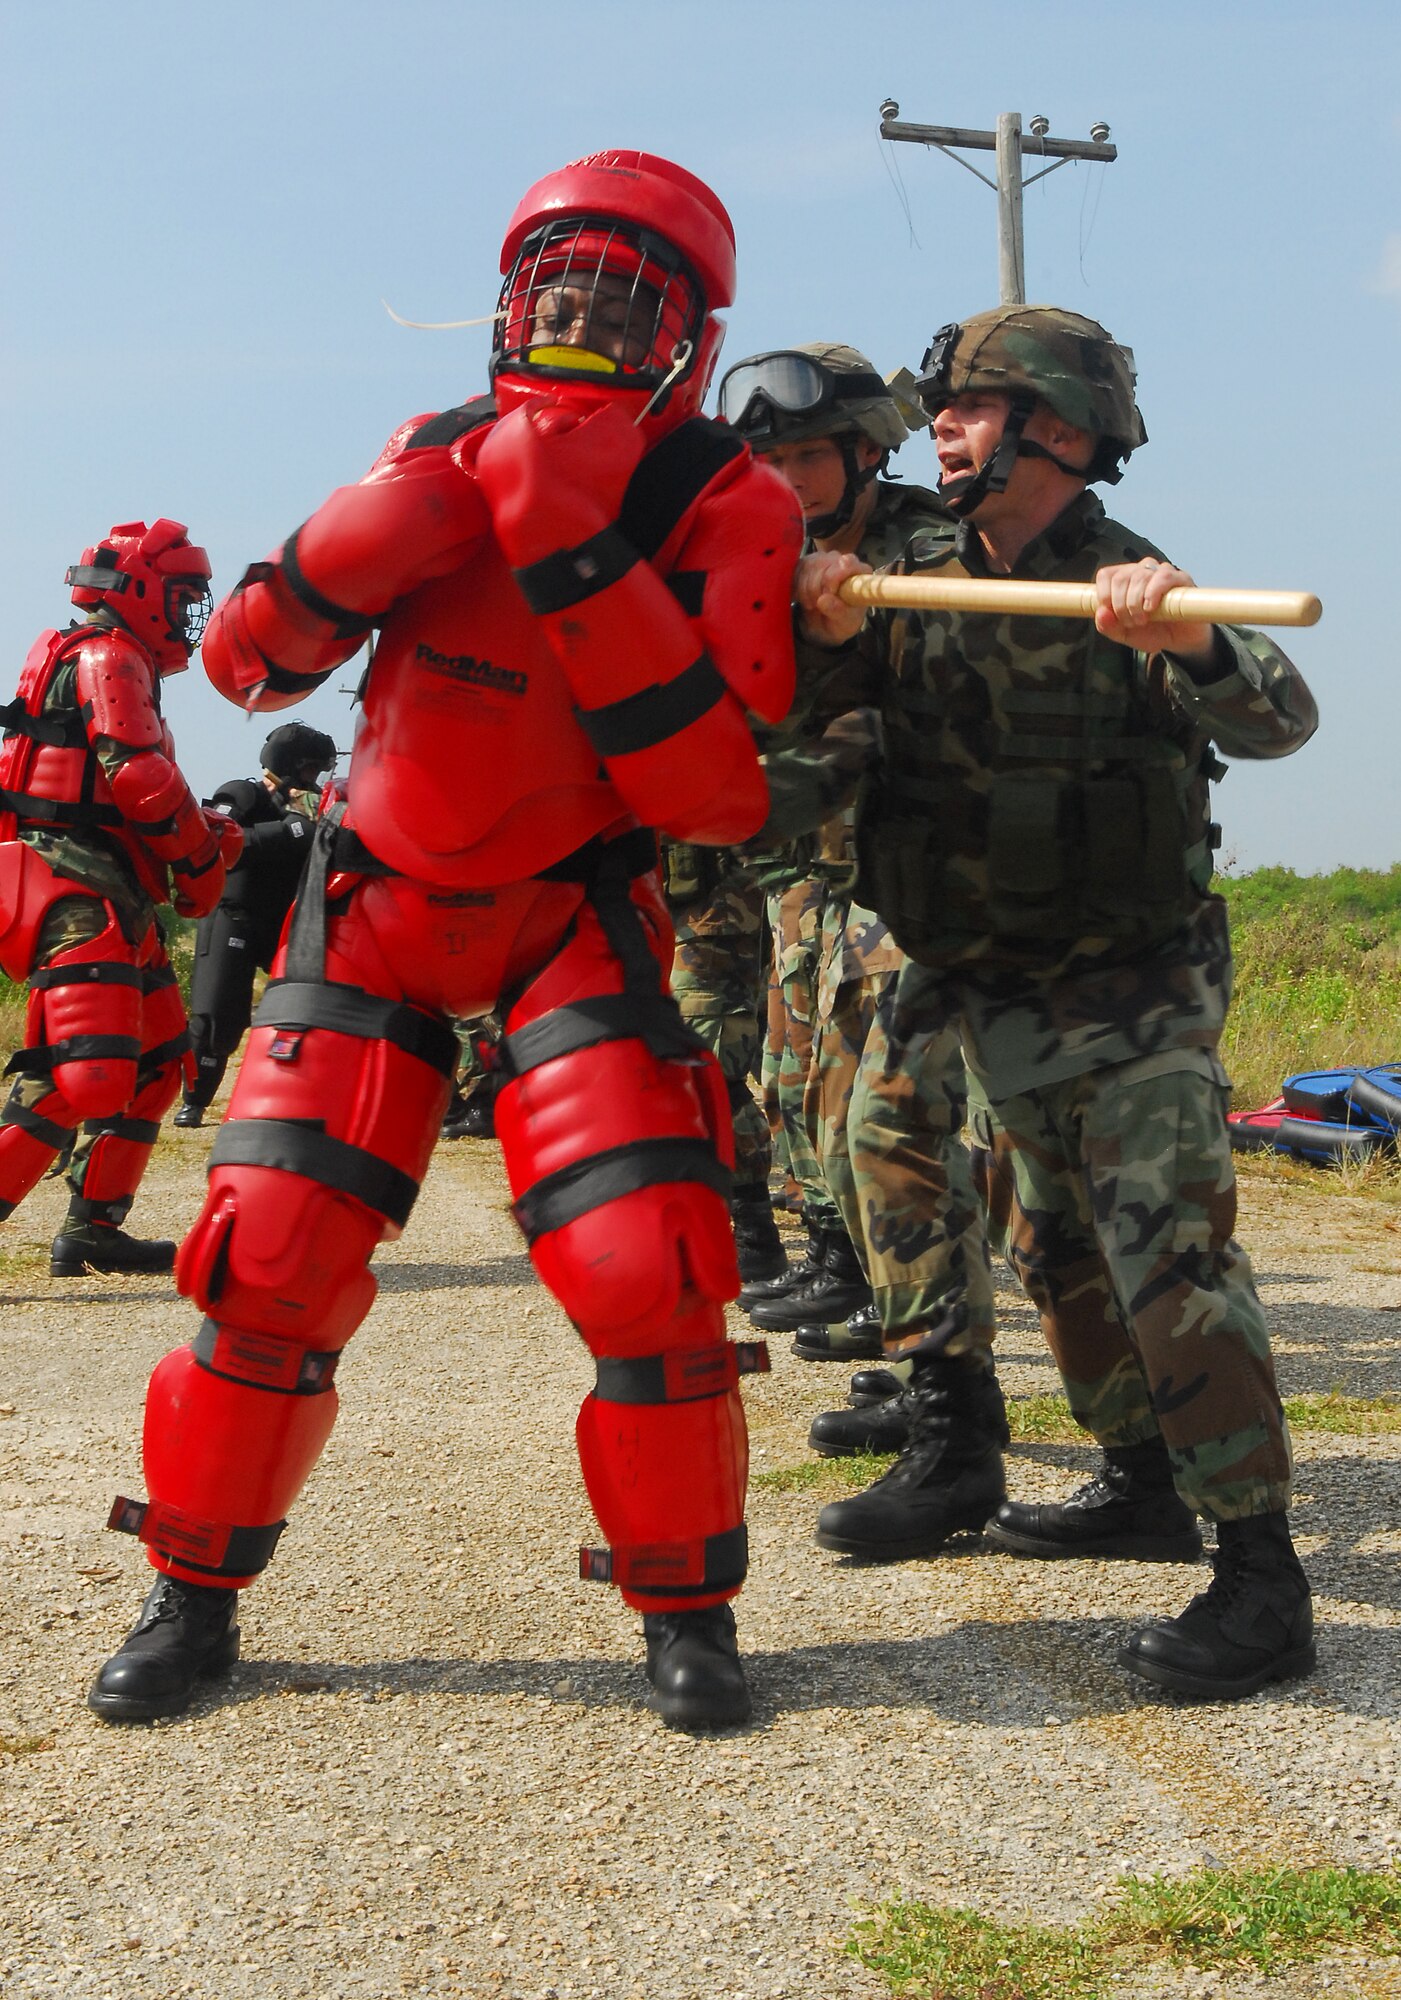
{"x":1036,"y":795}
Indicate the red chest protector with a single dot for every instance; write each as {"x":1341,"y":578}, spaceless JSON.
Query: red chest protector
{"x":471,"y":765}
{"x":51,"y":778}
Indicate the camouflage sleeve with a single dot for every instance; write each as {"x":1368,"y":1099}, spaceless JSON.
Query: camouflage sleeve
{"x":808,"y":783}
{"x":1256,"y":705}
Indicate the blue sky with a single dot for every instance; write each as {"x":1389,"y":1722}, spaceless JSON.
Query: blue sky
{"x":204,"y":206}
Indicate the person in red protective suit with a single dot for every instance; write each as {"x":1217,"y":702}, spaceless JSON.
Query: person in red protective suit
{"x":97,"y":826}
{"x":581,"y":586}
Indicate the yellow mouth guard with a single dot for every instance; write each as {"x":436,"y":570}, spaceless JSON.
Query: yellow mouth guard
{"x":582,"y":358}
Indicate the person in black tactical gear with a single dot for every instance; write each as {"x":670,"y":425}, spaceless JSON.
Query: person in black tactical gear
{"x":240,"y":935}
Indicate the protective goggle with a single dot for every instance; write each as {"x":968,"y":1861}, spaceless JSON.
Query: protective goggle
{"x":787,"y":384}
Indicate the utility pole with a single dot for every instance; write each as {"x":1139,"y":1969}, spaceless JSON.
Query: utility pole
{"x":1011,"y":150}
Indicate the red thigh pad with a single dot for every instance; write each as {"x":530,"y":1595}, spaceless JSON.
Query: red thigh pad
{"x":82,"y":1002}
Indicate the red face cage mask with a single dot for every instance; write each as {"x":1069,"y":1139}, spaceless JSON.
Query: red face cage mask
{"x":587,"y":298}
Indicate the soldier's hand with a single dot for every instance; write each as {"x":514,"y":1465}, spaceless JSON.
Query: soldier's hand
{"x":822,"y":615}
{"x":1129,"y":595}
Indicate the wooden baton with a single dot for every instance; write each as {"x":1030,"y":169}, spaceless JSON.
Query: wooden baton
{"x":1024,"y":597}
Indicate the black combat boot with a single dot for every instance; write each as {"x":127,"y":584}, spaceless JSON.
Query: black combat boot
{"x":808,"y":1265}
{"x":879,"y":1385}
{"x":832,"y":1293}
{"x":854,"y":1339}
{"x":1253,"y":1624}
{"x":189,"y":1116}
{"x":880,"y":1428}
{"x":1130,"y":1508}
{"x":948,"y":1477}
{"x":185,"y":1633}
{"x":92,"y":1239}
{"x":758,"y":1244}
{"x":693,"y":1663}
{"x":471,"y":1117}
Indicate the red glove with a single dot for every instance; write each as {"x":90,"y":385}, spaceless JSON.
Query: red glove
{"x":227,"y":832}
{"x":553,"y":478}
{"x":195,"y":895}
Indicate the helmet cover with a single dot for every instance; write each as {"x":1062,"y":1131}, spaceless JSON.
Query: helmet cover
{"x":294,"y":745}
{"x":1067,"y":361}
{"x":822,"y":389}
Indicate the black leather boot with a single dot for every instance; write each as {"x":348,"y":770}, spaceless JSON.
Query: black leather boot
{"x":1130,"y":1508}
{"x":879,"y":1428}
{"x":185,"y":1633}
{"x":833,"y":1292}
{"x":854,"y":1339}
{"x":189,"y":1116}
{"x":471,"y":1117}
{"x":92,"y":1239}
{"x":808,"y":1265}
{"x":948,"y":1477}
{"x":693,"y":1663}
{"x":758,"y":1244}
{"x":1252,"y":1625}
{"x":879,"y":1385}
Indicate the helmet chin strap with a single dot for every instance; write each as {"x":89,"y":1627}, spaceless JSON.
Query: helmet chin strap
{"x":822,"y":527}
{"x":964,"y":496}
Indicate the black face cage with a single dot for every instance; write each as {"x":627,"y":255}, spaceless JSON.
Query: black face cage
{"x":188,"y":606}
{"x":604,"y":287}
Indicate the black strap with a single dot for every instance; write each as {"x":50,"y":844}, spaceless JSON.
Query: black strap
{"x":571,"y":575}
{"x":41,"y":1060}
{"x":591,"y":1183}
{"x":450,"y":425}
{"x":604,"y":1017}
{"x":110,"y":1213}
{"x":683,"y":1375}
{"x":63,"y":812}
{"x":155,"y":978}
{"x":185,"y":1539}
{"x":163,"y":1052}
{"x":651,"y":1569}
{"x":348,"y":623}
{"x":263,"y":1360}
{"x":100,"y":974}
{"x":60,"y":732}
{"x":634,"y":852}
{"x":349,"y":1010}
{"x":671,"y":478}
{"x":306,"y":936}
{"x":350,"y":856}
{"x":639,"y":721}
{"x":311,"y":1153}
{"x":142,"y":1131}
{"x":42,"y":1129}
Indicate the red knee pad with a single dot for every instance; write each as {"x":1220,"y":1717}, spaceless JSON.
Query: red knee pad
{"x":234,"y":1425}
{"x":665,"y":1457}
{"x":29,"y":1139}
{"x":621,"y":1185}
{"x":271,"y":1251}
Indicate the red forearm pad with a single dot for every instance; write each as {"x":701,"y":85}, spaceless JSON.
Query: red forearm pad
{"x":368,"y":545}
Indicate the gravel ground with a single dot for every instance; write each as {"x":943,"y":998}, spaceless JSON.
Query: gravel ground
{"x":436,"y":1771}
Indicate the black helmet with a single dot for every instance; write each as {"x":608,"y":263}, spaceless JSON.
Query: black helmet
{"x":293,"y":746}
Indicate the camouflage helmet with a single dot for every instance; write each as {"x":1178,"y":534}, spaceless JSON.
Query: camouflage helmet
{"x":822,"y":389}
{"x":1064,"y":359}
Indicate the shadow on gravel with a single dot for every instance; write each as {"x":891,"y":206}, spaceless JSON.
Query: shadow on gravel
{"x":455,"y":1277}
{"x":1065,"y":1665}
{"x":81,"y":1293}
{"x":1352,"y":1348}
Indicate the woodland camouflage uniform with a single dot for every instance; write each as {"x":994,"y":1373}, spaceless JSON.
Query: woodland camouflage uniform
{"x":1086,"y":965}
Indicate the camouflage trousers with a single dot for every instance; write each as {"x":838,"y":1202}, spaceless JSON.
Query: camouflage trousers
{"x":717,"y":977}
{"x":1114,"y":1198}
{"x":473,"y":1074}
{"x":892,"y":1093}
{"x":795,"y":916}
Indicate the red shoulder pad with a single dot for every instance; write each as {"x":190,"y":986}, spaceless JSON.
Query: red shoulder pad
{"x":116,"y":683}
{"x":737,"y":555}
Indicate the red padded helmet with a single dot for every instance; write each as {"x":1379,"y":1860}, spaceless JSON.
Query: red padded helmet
{"x":153,"y":581}
{"x":614,"y":269}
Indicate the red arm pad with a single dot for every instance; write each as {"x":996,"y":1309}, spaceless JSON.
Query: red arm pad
{"x":652,"y":687}
{"x":295,"y":619}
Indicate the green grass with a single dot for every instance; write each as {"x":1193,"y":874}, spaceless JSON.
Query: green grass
{"x":1267,"y":1919}
{"x":1318,"y":974}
